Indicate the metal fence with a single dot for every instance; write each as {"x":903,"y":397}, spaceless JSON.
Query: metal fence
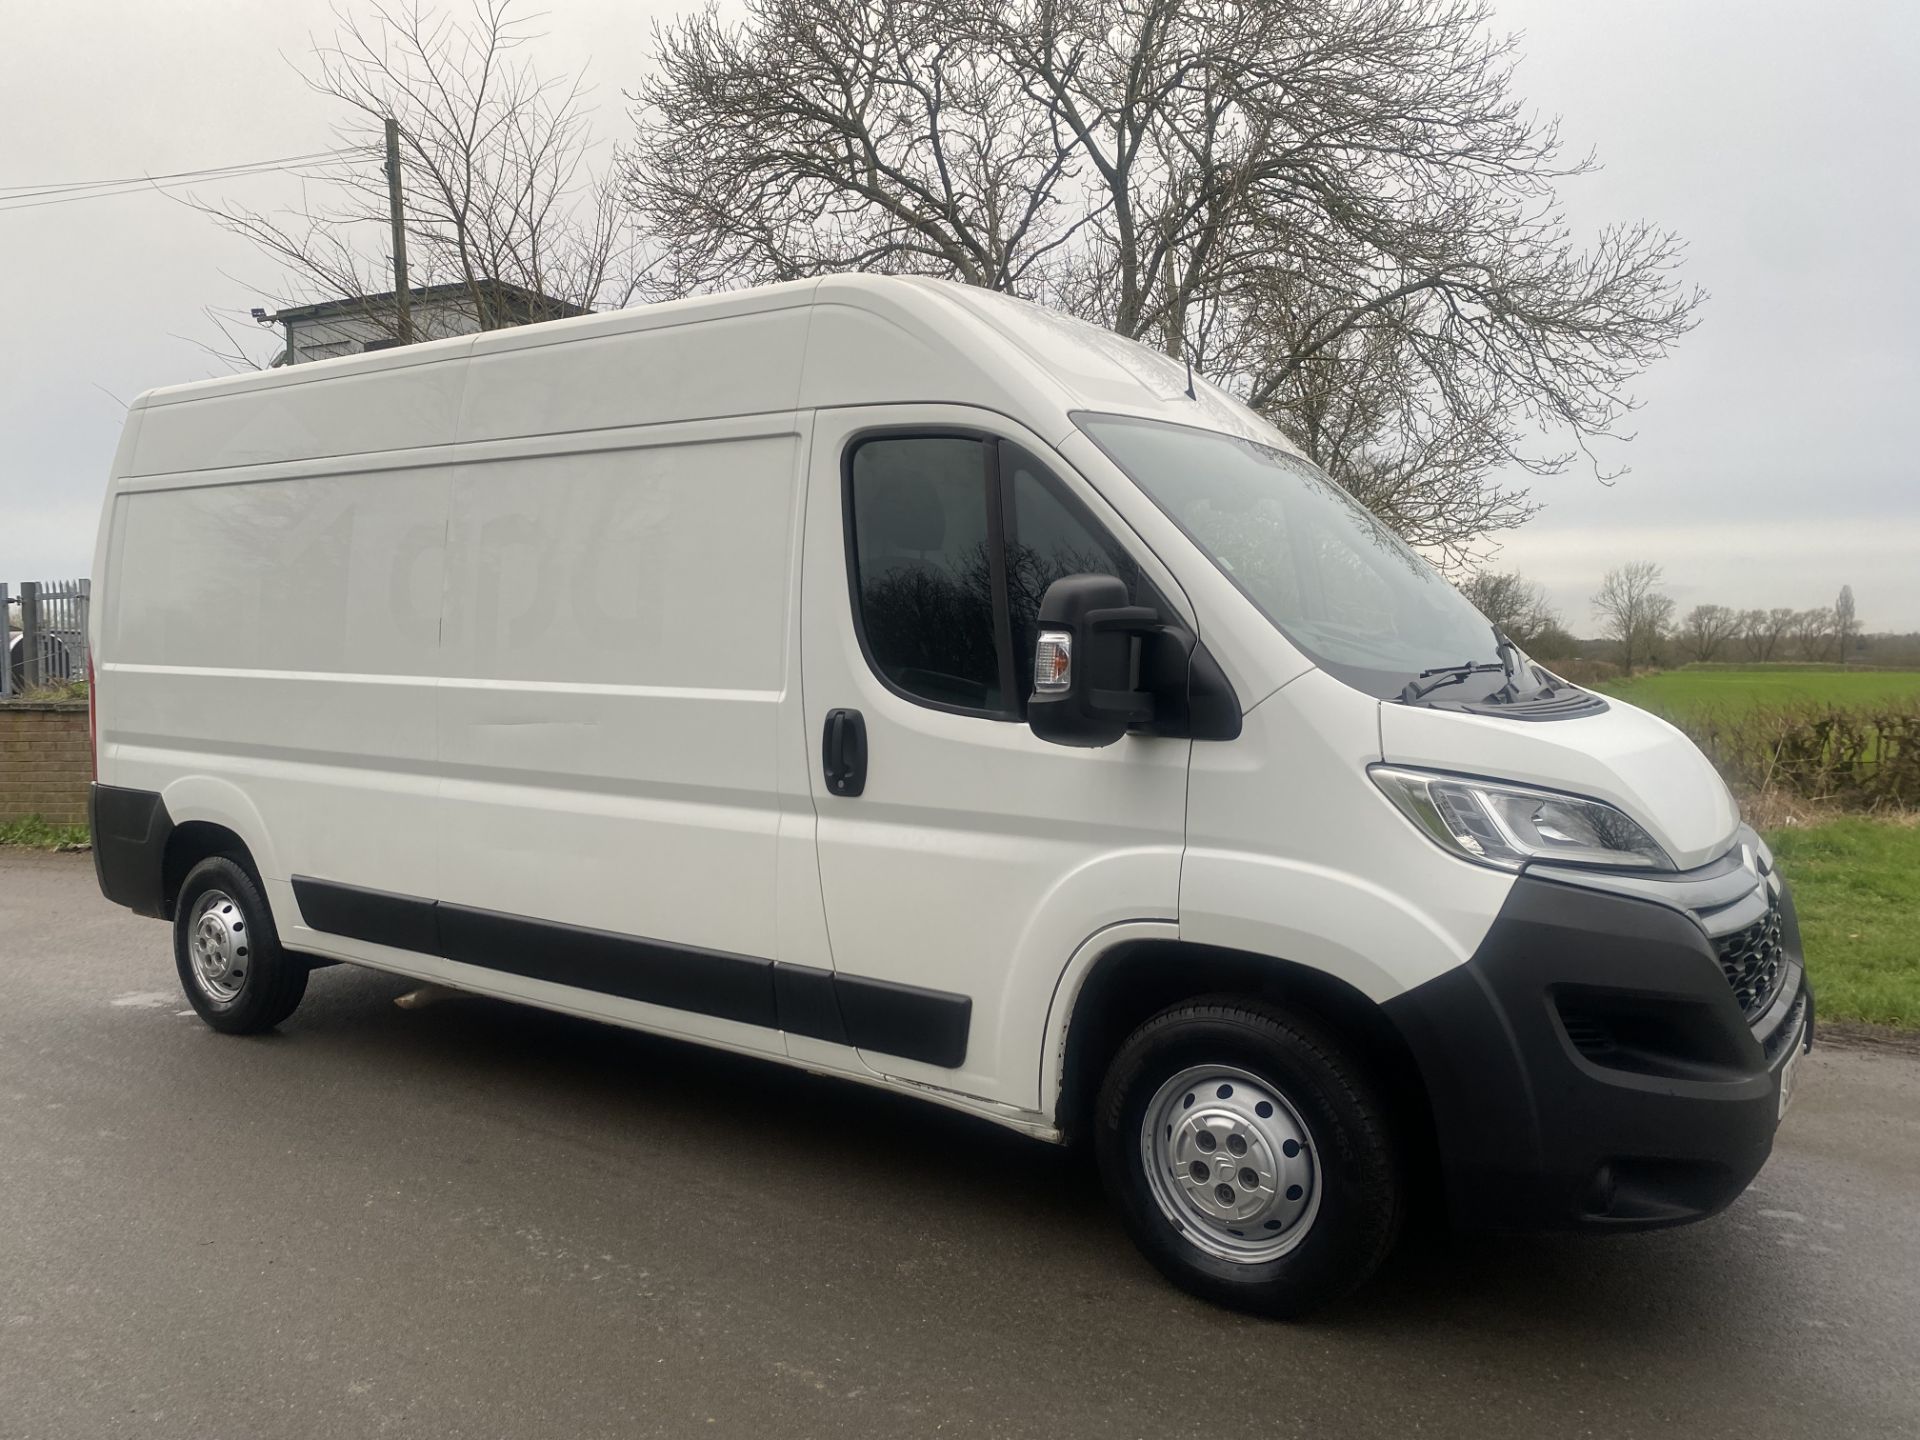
{"x":46,"y":634}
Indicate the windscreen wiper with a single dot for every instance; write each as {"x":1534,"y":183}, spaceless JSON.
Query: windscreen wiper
{"x":1429,"y":681}
{"x":1510,"y":659}
{"x":1509,"y":654}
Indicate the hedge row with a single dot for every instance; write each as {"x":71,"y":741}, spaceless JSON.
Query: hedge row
{"x":1861,"y":758}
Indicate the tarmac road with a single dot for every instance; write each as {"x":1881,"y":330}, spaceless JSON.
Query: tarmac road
{"x":476,"y":1220}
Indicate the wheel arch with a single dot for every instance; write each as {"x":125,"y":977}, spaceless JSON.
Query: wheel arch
{"x":1136,"y":975}
{"x":210,"y":817}
{"x":191,"y":842}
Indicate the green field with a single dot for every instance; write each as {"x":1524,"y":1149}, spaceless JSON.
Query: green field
{"x":1856,"y":883}
{"x":1677,"y":693}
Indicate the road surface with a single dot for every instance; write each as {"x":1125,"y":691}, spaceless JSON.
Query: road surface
{"x":476,"y":1220}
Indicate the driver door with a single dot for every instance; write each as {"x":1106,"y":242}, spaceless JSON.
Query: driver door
{"x":972,"y":858}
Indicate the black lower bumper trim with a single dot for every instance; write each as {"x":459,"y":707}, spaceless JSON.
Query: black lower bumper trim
{"x":875,"y":1015}
{"x":1537,"y":1128}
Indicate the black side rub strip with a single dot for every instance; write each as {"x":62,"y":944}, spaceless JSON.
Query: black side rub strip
{"x":905,"y":1020}
{"x":888,"y":1019}
{"x":707,"y":982}
{"x":373,"y":915}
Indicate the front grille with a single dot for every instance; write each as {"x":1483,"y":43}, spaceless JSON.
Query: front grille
{"x":1754,"y":963}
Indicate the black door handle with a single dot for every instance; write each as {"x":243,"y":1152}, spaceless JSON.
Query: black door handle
{"x":843,"y":752}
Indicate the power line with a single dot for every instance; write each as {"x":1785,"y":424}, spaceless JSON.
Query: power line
{"x":22,"y":192}
{"x":22,"y":197}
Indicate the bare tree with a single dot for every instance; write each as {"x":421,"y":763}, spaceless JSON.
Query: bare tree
{"x":494,"y":163}
{"x":1511,"y":601}
{"x":1634,"y":611}
{"x":1845,"y":624}
{"x":1341,"y":208}
{"x":1552,"y":641}
{"x":1707,"y":630}
{"x":1764,"y":632}
{"x":1813,"y":632}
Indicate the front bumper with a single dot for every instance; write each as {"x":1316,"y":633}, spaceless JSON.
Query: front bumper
{"x":1591,"y":1068}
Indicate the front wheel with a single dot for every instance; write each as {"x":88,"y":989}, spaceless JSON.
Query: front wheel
{"x":1249,"y":1156}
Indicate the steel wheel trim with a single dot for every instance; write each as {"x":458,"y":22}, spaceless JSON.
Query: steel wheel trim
{"x":1230,"y":1162}
{"x":219,"y":946}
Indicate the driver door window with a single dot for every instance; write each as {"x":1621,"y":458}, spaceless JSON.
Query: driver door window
{"x":954,"y":541}
{"x":923,"y":569}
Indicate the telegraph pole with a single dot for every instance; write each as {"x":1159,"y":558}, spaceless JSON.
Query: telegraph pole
{"x":402,"y":297}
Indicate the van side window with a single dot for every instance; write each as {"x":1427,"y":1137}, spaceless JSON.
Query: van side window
{"x":955,"y":540}
{"x":1048,"y":536}
{"x":924,"y":567}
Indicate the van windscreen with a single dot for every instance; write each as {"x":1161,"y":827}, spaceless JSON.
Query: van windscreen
{"x":1347,"y":591}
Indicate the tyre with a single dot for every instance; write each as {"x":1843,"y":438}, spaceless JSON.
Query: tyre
{"x":236,"y":976}
{"x":1250,"y":1156}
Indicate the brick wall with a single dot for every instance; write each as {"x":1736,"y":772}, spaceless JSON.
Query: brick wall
{"x":45,"y":761}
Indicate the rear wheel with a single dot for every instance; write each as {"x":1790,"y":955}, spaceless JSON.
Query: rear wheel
{"x":1249,"y":1155}
{"x":236,"y":976}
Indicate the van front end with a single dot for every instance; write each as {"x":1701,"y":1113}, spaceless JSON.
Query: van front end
{"x":1602,"y":997}
{"x":1528,"y":914}
{"x":1619,"y":1049}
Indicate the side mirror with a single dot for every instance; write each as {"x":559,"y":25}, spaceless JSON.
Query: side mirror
{"x":1085,"y":666}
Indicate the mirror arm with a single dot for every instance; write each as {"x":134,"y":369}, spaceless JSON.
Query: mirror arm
{"x":1141,"y":621}
{"x":1134,"y":619}
{"x":1172,"y":686}
{"x":1197,"y":701}
{"x":1134,"y":706}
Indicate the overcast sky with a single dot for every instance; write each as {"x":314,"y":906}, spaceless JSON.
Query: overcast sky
{"x":1773,"y":458}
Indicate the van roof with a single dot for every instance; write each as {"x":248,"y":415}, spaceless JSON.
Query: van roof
{"x":1098,"y":369}
{"x":868,"y":339}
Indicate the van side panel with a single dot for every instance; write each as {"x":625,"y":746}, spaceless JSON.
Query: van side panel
{"x":1289,"y":853}
{"x":637,"y":371}
{"x":267,"y":663}
{"x":614,"y":664}
{"x":397,"y":400}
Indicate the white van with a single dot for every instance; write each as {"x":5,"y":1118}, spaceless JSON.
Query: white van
{"x":910,"y":684}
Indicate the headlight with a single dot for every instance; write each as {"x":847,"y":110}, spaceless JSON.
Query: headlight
{"x":1508,"y":825}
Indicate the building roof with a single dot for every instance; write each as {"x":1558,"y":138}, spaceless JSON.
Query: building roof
{"x":528,"y":302}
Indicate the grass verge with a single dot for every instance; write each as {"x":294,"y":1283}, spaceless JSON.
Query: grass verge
{"x":57,"y":690}
{"x":36,"y":834}
{"x":1856,"y":884}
